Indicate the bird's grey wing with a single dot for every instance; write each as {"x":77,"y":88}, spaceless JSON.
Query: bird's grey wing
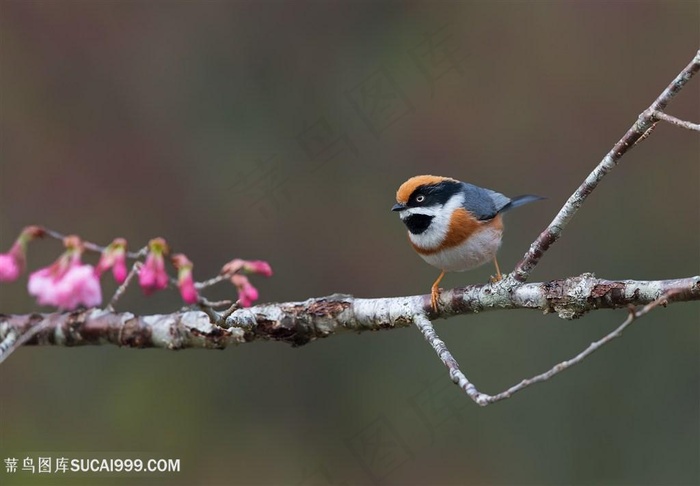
{"x":483,"y":203}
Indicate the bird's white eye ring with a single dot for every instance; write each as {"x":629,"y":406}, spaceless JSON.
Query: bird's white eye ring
{"x":420,"y":198}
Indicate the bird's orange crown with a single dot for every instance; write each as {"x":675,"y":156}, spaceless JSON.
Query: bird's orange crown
{"x":413,"y":183}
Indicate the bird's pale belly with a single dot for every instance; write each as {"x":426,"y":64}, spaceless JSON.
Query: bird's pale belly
{"x":480,"y":248}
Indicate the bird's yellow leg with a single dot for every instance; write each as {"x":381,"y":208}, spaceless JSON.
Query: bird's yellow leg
{"x":498,"y":276}
{"x":435,"y":292}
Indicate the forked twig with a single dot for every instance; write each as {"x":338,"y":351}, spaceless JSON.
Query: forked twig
{"x":639,"y":130}
{"x":483,"y":399}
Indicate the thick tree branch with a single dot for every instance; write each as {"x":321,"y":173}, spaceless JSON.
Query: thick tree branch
{"x":299,"y":323}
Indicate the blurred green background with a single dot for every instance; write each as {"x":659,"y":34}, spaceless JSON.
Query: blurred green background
{"x":280,"y":131}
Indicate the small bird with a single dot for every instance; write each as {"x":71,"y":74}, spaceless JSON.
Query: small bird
{"x":453,"y":225}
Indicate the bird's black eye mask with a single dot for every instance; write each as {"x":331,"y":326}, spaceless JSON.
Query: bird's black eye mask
{"x":433,"y":195}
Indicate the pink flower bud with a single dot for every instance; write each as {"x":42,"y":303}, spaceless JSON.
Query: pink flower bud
{"x":185,"y":281}
{"x":187,"y":290}
{"x":119,"y":269}
{"x":258,"y":266}
{"x":114,"y":257}
{"x":152,"y":275}
{"x":12,"y":263}
{"x":234,"y":266}
{"x":247,"y":266}
{"x":247,"y":294}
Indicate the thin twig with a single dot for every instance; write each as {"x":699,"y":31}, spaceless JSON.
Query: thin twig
{"x":211,"y":281}
{"x":676,"y":121}
{"x":13,"y":340}
{"x":93,"y":247}
{"x":459,"y":379}
{"x":214,"y":303}
{"x":122,"y":288}
{"x":638,"y":131}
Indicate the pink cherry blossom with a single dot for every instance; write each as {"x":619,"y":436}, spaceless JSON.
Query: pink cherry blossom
{"x":152,"y":275}
{"x":76,"y":286}
{"x":42,"y":284}
{"x":185,"y":282}
{"x":67,"y":283}
{"x":247,"y":294}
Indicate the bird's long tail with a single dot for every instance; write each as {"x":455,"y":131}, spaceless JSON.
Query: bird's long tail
{"x":520,"y":200}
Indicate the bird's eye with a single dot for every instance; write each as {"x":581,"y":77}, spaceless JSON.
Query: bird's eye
{"x":420,"y":198}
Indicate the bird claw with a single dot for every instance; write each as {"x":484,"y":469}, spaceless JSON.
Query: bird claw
{"x":435,"y":292}
{"x":435,"y":298}
{"x":495,"y":278}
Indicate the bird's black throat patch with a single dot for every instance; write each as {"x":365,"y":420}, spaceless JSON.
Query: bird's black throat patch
{"x":418,"y":223}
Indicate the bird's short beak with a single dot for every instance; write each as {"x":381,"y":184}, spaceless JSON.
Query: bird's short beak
{"x":398,"y":207}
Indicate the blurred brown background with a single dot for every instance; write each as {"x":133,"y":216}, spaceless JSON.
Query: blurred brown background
{"x":280,"y":131}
